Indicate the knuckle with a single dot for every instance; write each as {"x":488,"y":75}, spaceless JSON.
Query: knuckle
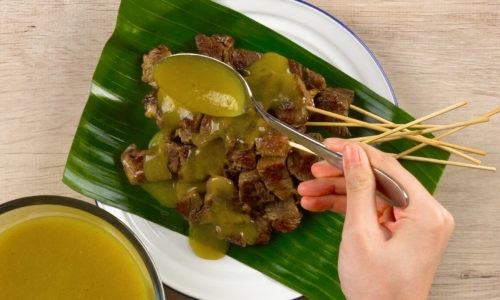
{"x":449,"y":220}
{"x":442,"y":221}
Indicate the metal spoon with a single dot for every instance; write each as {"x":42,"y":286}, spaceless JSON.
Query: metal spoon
{"x":391,"y":191}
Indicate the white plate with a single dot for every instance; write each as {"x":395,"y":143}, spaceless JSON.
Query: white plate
{"x":227,"y":278}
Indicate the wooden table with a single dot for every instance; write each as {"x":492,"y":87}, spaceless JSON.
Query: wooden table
{"x":435,"y":53}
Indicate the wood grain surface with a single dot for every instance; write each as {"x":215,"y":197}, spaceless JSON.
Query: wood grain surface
{"x":434,"y":52}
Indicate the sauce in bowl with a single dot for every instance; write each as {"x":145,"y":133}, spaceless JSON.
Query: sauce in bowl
{"x":60,"y":252}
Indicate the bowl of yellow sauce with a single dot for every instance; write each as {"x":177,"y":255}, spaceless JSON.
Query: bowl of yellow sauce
{"x":59,"y":248}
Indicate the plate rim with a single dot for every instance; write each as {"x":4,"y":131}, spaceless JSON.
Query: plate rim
{"x":360,"y":40}
{"x":367,"y":49}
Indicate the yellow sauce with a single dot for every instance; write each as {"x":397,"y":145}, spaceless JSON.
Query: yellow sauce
{"x":205,"y":243}
{"x":62,"y":257}
{"x":201,"y":85}
{"x":163,"y":191}
{"x":171,"y":112}
{"x":228,"y":222}
{"x":272,"y":83}
{"x":155,"y":163}
{"x":190,"y":84}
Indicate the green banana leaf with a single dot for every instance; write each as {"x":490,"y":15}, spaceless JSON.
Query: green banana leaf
{"x":304,"y":260}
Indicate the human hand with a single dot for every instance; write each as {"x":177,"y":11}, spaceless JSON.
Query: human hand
{"x":385,"y":253}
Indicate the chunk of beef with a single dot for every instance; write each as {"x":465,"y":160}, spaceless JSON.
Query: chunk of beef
{"x":150,"y":60}
{"x":275,"y":175}
{"x":264,"y":228}
{"x":177,"y":156}
{"x":317,"y":136}
{"x":238,"y":161}
{"x":188,"y":126}
{"x":210,"y":129}
{"x":295,"y":68}
{"x":221,"y":47}
{"x":272,"y":143}
{"x":283,"y":215}
{"x":336,"y":100}
{"x":289,"y":113}
{"x":151,"y":108}
{"x":242,"y":59}
{"x":216,"y":46}
{"x":191,"y":207}
{"x":264,"y":231}
{"x":299,"y":164}
{"x":293,"y":113}
{"x":133,"y":164}
{"x":252,"y":192}
{"x":312,"y":80}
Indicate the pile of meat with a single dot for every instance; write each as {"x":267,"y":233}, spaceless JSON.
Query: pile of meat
{"x":267,"y":174}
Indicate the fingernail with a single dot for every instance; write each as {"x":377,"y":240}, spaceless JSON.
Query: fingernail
{"x":351,"y":155}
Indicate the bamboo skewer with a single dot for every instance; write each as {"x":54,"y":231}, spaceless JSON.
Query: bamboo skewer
{"x":370,"y":114}
{"x":458,"y":124}
{"x":450,"y":132}
{"x":422,"y":145}
{"x":438,"y":144}
{"x":426,"y":128}
{"x":415,"y":158}
{"x":448,"y":162}
{"x":464,"y":124}
{"x":385,"y":125}
{"x":416,"y":121}
{"x":468,"y":149}
{"x":300,"y":147}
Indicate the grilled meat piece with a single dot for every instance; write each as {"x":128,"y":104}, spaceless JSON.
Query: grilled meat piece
{"x":191,"y":207}
{"x":265,"y":230}
{"x":299,"y":164}
{"x":312,"y":80}
{"x":209,"y":128}
{"x":238,"y":161}
{"x":275,"y":176}
{"x":188,"y":126}
{"x":336,"y":100}
{"x":272,"y":143}
{"x":151,"y":108}
{"x":149,"y":61}
{"x":133,"y":164}
{"x":221,"y":47}
{"x":242,"y":59}
{"x":177,"y":156}
{"x":292,"y":113}
{"x":253,"y":194}
{"x":283,"y":215}
{"x":216,"y":46}
{"x":289,"y":113}
{"x":295,"y":68}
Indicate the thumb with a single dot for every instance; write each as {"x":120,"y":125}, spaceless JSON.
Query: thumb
{"x":361,"y":209}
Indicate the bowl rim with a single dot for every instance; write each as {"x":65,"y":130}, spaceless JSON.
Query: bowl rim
{"x":97,"y":212}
